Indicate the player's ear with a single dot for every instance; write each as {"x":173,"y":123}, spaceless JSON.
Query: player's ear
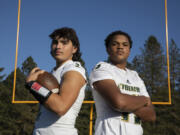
{"x":51,"y":51}
{"x":74,"y":50}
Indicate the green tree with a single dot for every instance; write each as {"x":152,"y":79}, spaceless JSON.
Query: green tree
{"x":16,"y":119}
{"x":1,"y":76}
{"x":174,"y":58}
{"x":83,"y":119}
{"x":28,"y":65}
{"x":150,"y":65}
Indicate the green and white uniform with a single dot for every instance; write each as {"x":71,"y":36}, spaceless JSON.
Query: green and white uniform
{"x":110,"y":121}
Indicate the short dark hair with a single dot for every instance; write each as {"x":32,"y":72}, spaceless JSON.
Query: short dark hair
{"x":110,"y":37}
{"x":69,"y":34}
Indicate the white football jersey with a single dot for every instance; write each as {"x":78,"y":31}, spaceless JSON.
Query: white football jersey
{"x":48,"y":122}
{"x":110,"y":121}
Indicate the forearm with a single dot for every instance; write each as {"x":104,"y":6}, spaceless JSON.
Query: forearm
{"x":128,"y":103}
{"x":56,"y":104}
{"x":39,"y":92}
{"x":52,"y":101}
{"x":146,"y":113}
{"x":119,"y":101}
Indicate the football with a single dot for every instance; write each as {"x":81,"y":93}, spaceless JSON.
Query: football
{"x":48,"y":81}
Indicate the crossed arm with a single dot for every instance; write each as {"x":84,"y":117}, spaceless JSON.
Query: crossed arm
{"x":139,"y":105}
{"x":71,"y":84}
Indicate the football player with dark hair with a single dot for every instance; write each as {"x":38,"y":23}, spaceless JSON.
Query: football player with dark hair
{"x":120,"y":95}
{"x":58,"y":110}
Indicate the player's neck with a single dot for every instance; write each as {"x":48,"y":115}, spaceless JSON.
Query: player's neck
{"x":121,"y":65}
{"x":60,"y":63}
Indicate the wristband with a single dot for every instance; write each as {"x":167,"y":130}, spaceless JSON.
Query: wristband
{"x":39,"y":92}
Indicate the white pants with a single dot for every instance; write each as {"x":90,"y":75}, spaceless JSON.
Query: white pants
{"x":55,"y":131}
{"x":115,"y":126}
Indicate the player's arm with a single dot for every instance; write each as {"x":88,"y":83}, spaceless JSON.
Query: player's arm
{"x":72,"y":82}
{"x":147,"y":113}
{"x":119,"y":101}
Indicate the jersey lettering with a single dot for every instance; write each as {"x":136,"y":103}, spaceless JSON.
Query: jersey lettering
{"x":128,"y":88}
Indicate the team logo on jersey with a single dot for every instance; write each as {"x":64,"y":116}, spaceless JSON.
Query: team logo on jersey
{"x":98,"y":66}
{"x":77,"y":65}
{"x":128,"y":81}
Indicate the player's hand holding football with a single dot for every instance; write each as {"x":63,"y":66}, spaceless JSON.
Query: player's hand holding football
{"x":33,"y":75}
{"x":39,"y":92}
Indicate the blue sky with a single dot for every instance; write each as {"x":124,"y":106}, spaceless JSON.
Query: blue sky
{"x":93,"y":20}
